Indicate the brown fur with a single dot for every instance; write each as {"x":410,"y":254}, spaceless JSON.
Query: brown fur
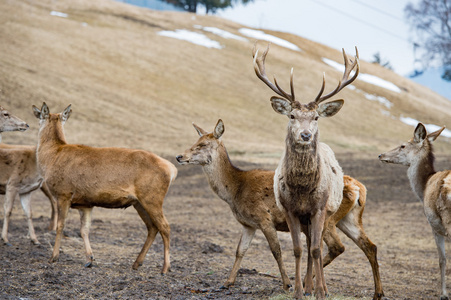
{"x":20,"y":176}
{"x":83,"y":177}
{"x":250,"y":195}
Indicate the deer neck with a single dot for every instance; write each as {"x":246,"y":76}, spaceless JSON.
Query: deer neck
{"x":222,"y":175}
{"x":420,"y":171}
{"x":50,"y":138}
{"x":301,"y":163}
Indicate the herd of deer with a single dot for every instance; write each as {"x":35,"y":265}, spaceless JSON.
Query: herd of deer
{"x":307,"y":192}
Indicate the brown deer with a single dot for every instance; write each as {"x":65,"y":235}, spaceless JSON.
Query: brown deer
{"x":19,"y":175}
{"x":82,"y":177}
{"x":250,"y":195}
{"x":432,"y":188}
{"x":308,"y":182}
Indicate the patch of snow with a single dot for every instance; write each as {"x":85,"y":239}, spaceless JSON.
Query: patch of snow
{"x":380,"y":99}
{"x":260,"y":35}
{"x":221,"y":33}
{"x":192,"y":37}
{"x":365,"y":77}
{"x":58,"y":14}
{"x":429,"y":127}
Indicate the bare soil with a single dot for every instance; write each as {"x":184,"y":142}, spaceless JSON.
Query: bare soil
{"x":204,"y":235}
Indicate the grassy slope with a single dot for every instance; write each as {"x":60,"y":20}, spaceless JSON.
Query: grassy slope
{"x":130,"y":87}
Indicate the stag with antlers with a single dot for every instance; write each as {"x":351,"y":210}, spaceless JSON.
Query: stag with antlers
{"x":308,"y":182}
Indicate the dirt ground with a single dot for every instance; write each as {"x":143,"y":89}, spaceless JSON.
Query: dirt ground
{"x":204,"y":236}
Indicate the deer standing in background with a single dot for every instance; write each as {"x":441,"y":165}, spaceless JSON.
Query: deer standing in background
{"x":82,"y":177}
{"x":432,"y":188}
{"x":19,"y":176}
{"x":250,"y":195}
{"x":308,"y":182}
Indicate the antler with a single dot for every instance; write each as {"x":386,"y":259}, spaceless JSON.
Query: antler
{"x":349,"y":66}
{"x":259,"y":67}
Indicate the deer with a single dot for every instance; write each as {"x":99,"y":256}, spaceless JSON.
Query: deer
{"x":432,"y":188}
{"x":82,"y":177}
{"x":250,"y":196}
{"x":19,"y":175}
{"x":308,"y":182}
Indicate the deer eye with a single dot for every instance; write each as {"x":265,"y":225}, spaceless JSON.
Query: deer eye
{"x":402,"y":146}
{"x":316,"y":118}
{"x":292,"y":117}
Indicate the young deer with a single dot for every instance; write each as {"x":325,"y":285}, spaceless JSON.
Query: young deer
{"x":19,"y":175}
{"x":432,"y":188}
{"x":82,"y":177}
{"x":308,"y":183}
{"x":250,"y":195}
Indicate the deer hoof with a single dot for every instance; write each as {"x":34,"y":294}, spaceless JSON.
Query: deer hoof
{"x":444,"y":297}
{"x":35,"y":242}
{"x":8,"y":244}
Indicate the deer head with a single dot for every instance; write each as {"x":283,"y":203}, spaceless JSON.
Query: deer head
{"x":418,"y":147}
{"x":9,"y":122}
{"x":205,"y":149}
{"x":303,"y":124}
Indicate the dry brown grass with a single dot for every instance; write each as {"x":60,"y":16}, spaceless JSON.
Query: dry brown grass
{"x":130,"y":87}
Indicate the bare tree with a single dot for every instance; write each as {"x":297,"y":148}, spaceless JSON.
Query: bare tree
{"x":431,"y":23}
{"x":211,"y":6}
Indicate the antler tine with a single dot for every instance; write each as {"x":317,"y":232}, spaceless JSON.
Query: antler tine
{"x":349,"y":66}
{"x":259,"y":67}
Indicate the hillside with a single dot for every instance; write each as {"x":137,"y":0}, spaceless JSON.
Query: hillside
{"x":130,"y":86}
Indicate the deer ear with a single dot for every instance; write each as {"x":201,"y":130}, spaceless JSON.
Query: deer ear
{"x":219,"y":129}
{"x":36,"y":112}
{"x":420,"y":133}
{"x":434,"y":135}
{"x":199,"y":130}
{"x":42,"y":113}
{"x":66,"y":113}
{"x":329,"y":109}
{"x":281,"y":106}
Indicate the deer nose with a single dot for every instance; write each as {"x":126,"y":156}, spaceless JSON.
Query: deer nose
{"x":178,"y":157}
{"x":305,"y":136}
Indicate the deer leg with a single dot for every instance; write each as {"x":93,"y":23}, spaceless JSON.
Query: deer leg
{"x":154,"y":209}
{"x":85,"y":219}
{"x":54,"y":216}
{"x":271,"y":236}
{"x":351,"y":225}
{"x":25,"y":200}
{"x":63,"y":209}
{"x":10,"y":196}
{"x":440,"y":242}
{"x":308,"y":280}
{"x":151,"y":234}
{"x":334,"y":245}
{"x":316,"y":231}
{"x":295,"y":230}
{"x":243,"y":245}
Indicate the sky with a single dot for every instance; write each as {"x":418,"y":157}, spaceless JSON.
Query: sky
{"x":372,"y":26}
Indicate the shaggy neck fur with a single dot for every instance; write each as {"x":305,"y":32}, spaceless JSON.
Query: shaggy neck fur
{"x":301,"y":165}
{"x":421,"y":170}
